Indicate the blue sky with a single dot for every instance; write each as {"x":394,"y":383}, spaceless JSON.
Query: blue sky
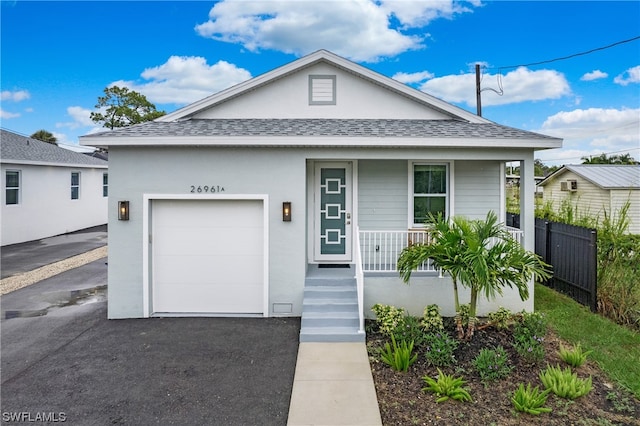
{"x":57,"y":57}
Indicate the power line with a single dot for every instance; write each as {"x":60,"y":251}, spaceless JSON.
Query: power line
{"x":573,"y":55}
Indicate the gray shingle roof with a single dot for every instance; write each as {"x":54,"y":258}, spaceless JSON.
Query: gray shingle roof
{"x":322,"y":127}
{"x":18,"y":148}
{"x":609,"y":176}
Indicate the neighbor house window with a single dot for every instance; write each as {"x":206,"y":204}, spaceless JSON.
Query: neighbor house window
{"x":322,"y":90}
{"x":105,"y":184}
{"x":12,"y":193}
{"x":75,"y":185}
{"x":430,"y":191}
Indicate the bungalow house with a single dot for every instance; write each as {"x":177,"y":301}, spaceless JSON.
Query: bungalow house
{"x":293,"y":193}
{"x":48,"y":190}
{"x":593,"y":189}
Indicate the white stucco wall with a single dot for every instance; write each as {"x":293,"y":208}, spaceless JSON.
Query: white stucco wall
{"x":289,"y":98}
{"x":45,"y":208}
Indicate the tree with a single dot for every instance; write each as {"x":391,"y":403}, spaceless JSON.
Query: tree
{"x":614,"y":159}
{"x":45,"y":136}
{"x":121,"y":107}
{"x":485,"y":260}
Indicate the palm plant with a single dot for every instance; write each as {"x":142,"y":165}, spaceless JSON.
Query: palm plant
{"x":481,"y":255}
{"x":45,"y":136}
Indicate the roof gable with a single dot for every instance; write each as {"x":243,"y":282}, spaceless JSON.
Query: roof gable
{"x":20,"y":149}
{"x":605,"y":176}
{"x":323,"y":62}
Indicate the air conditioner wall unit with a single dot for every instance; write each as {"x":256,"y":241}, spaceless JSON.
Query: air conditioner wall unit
{"x":564,"y":186}
{"x":570,"y":185}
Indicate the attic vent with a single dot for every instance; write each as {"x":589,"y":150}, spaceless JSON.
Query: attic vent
{"x":322,"y":90}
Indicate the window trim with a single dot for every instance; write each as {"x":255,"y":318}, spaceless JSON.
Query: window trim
{"x":75,"y":186}
{"x":313,"y":77}
{"x":411,"y":194}
{"x":105,"y":185}
{"x":18,"y":188}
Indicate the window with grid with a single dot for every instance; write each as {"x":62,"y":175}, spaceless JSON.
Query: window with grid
{"x":105,"y":184}
{"x":430,"y":192}
{"x":12,"y":187}
{"x":75,"y":185}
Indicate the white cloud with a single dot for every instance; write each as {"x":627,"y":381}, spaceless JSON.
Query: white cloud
{"x":415,"y":77}
{"x":519,"y":85}
{"x":357,"y":29}
{"x":6,"y":114}
{"x":15,"y":96}
{"x":632,"y":75}
{"x":594,"y":75}
{"x":593,"y":131}
{"x":186,"y":79}
{"x":81,"y":118}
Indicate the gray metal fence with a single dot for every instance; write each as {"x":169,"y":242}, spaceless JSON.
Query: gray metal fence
{"x":573,"y":253}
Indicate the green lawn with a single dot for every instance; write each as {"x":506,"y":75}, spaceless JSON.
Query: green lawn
{"x":615,"y":348}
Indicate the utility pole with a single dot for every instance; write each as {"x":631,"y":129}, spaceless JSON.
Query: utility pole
{"x":478,"y":97}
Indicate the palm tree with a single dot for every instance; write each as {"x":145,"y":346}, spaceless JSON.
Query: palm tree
{"x":444,"y":251}
{"x":45,"y":136}
{"x":485,"y":259}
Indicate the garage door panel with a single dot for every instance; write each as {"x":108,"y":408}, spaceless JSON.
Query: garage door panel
{"x":226,"y":269}
{"x":183,"y":241}
{"x":212,"y":299}
{"x":208,"y":256}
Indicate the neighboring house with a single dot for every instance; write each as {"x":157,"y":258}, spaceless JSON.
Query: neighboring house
{"x":48,"y":190}
{"x":593,"y":189}
{"x":235,"y":199}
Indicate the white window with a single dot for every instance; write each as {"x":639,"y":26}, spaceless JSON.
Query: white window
{"x":105,"y":184}
{"x":12,"y":187}
{"x":429,"y":185}
{"x":322,"y":90}
{"x":75,"y":185}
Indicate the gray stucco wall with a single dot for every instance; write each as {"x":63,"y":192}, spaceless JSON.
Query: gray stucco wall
{"x":157,"y":170}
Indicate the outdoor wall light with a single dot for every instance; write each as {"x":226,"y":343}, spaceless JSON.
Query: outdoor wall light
{"x":286,"y":211}
{"x":123,"y":210}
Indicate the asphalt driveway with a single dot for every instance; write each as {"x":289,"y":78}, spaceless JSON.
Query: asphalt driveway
{"x":70,"y":362}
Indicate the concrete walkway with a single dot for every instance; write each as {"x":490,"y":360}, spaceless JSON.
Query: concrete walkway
{"x":333,"y":385}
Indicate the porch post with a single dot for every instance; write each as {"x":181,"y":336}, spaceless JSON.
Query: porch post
{"x":527,"y":215}
{"x":527,"y":210}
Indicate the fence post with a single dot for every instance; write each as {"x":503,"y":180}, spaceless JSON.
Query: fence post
{"x":593,"y":270}
{"x":547,"y":250}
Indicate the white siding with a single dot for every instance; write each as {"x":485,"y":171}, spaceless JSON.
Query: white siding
{"x":289,"y":98}
{"x":477,"y":188}
{"x":589,"y":199}
{"x":45,"y":208}
{"x":619,"y":197}
{"x":382,"y":195}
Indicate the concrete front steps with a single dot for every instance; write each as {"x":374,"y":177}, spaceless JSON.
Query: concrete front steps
{"x":330,"y":306}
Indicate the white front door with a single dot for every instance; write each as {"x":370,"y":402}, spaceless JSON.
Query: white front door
{"x":332,"y":212}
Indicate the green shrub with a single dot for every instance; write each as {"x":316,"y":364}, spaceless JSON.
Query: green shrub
{"x":565,"y":383}
{"x":446,"y":386}
{"x":439,"y":348}
{"x":528,"y":335}
{"x":388,"y":317}
{"x":410,"y":329}
{"x":574,"y":357}
{"x":530,"y":400}
{"x":501,"y":318}
{"x":398,"y":356}
{"x":431,"y":319}
{"x":492,"y":364}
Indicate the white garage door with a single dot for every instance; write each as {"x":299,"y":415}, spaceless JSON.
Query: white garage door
{"x":207,"y":256}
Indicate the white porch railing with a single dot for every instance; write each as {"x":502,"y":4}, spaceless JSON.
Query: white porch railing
{"x":379,"y":250}
{"x":359,"y":283}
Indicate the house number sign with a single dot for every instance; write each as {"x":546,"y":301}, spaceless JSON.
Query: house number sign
{"x":213,"y":189}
